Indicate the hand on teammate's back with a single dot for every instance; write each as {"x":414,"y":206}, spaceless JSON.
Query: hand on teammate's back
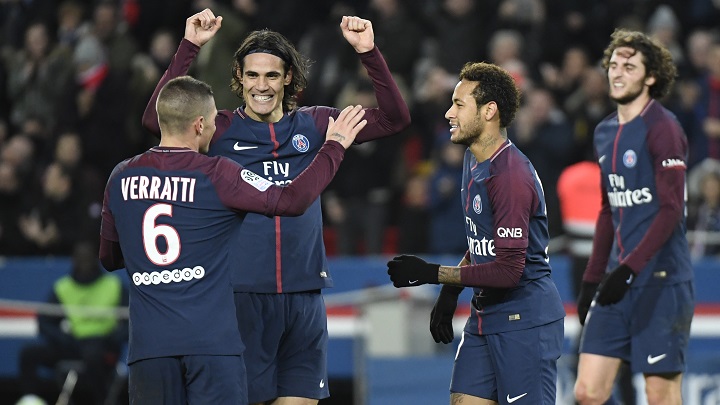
{"x":347,"y":126}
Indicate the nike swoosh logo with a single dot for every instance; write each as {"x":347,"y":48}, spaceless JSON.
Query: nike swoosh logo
{"x":601,"y":159}
{"x":513,"y":399}
{"x":322,"y":383}
{"x":630,"y":279}
{"x":412,"y":281}
{"x":238,"y":147}
{"x":653,"y":360}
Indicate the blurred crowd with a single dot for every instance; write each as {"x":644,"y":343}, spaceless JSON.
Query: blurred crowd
{"x":76,"y":75}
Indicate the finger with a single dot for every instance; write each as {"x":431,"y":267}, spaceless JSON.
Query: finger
{"x":344,"y":23}
{"x":355,"y":115}
{"x":446,"y":334}
{"x":218,"y":23}
{"x":435,"y":335}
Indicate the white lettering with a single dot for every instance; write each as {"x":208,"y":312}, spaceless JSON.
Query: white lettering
{"x":482,"y":247}
{"x":510,"y":232}
{"x":168,"y":276}
{"x":148,"y":188}
{"x":471,"y":225}
{"x":673,"y":163}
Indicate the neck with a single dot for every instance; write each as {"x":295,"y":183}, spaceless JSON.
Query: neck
{"x":627,"y":112}
{"x":179,"y":141}
{"x":488,"y":143}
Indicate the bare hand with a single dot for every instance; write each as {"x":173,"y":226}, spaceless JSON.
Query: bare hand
{"x":359,"y":33}
{"x":201,"y":27}
{"x":347,"y":126}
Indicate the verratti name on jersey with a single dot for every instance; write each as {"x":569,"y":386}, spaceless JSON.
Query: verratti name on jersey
{"x":174,"y":188}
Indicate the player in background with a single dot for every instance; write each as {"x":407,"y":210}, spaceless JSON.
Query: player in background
{"x":281,"y":312}
{"x":169,"y":216}
{"x":638,"y":285}
{"x":513,"y":338}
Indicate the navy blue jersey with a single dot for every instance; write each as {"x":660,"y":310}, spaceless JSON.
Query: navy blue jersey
{"x":176,"y":212}
{"x":266,"y":246}
{"x":285,"y":254}
{"x":504,"y":207}
{"x":632,"y":157}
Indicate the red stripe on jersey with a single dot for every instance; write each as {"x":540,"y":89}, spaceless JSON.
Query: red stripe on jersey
{"x":618,"y":237}
{"x":467,"y":203}
{"x":273,"y":138}
{"x":278,"y":256}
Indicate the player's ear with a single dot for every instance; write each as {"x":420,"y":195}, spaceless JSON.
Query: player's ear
{"x":650,"y":80}
{"x":288,"y":77}
{"x":199,"y":124}
{"x":490,"y":110}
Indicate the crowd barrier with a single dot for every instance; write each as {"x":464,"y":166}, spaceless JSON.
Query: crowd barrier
{"x":379,"y":335}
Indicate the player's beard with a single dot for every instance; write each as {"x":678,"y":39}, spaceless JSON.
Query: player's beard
{"x":631,"y":95}
{"x":470,"y":133}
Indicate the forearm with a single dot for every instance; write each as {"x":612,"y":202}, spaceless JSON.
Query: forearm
{"x":179,"y":66}
{"x":504,"y":272}
{"x":602,"y":244}
{"x":392,"y":114}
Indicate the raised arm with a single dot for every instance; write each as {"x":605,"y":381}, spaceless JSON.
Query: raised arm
{"x":392,"y":114}
{"x":199,"y":29}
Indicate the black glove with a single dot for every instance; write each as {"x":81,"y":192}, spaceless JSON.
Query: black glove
{"x":587,"y":292}
{"x":615,"y":285}
{"x":442,"y":314}
{"x":412,"y":271}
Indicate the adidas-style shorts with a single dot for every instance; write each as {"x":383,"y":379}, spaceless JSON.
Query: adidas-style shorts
{"x":286,"y":340}
{"x":649,"y":327}
{"x":516,"y":367}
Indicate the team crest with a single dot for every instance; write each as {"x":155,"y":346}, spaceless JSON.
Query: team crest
{"x":301,"y":143}
{"x":629,"y":158}
{"x":477,"y":204}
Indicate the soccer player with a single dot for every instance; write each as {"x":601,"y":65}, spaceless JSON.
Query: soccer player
{"x":169,"y":216}
{"x":640,"y":263}
{"x":513,"y":338}
{"x":280,"y":309}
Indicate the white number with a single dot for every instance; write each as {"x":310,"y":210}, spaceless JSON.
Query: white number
{"x":151,"y":231}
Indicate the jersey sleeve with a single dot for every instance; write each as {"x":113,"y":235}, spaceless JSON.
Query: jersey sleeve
{"x":602,"y":242}
{"x":243,"y":190}
{"x":179,"y":66}
{"x":668,"y":147}
{"x":392,"y":114}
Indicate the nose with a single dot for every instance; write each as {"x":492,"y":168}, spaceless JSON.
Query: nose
{"x":261,"y":83}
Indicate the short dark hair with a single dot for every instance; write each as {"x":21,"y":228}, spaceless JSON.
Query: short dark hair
{"x":274,"y":43}
{"x":494,"y":84}
{"x":656,"y":58}
{"x":181,"y":100}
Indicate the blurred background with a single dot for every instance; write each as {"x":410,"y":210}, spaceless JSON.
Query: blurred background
{"x":76,"y":75}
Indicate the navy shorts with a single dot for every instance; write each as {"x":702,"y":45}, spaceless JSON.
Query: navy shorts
{"x":286,"y":338}
{"x":188,"y":380}
{"x":518,"y":367}
{"x":649,"y":327}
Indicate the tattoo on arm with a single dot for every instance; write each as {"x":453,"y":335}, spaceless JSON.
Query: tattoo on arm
{"x":449,"y":275}
{"x":337,"y":136}
{"x":457,"y":398}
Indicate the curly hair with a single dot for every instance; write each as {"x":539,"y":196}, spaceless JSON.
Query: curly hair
{"x":495,"y":84}
{"x":274,"y":43}
{"x":656,"y":58}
